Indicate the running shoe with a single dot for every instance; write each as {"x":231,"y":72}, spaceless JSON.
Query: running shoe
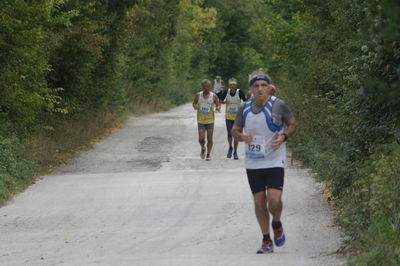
{"x":203,"y":153}
{"x":229,"y":155}
{"x":266,"y":247}
{"x":208,"y":158}
{"x":235,"y":156}
{"x":279,"y":237}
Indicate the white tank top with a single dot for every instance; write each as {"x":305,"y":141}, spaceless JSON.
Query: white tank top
{"x":259,"y":153}
{"x":232,"y":108}
{"x":205,"y":113}
{"x":217,"y":86}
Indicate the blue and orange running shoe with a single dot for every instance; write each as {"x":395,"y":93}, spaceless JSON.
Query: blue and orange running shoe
{"x":279,"y":236}
{"x":266,"y":247}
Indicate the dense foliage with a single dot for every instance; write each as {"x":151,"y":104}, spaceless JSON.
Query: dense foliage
{"x":336,"y":63}
{"x":65,"y":60}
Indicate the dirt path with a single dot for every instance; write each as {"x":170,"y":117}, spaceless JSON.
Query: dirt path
{"x":144,"y":197}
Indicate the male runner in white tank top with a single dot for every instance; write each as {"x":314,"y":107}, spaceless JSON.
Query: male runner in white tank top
{"x":218,"y":86}
{"x":260,"y":124}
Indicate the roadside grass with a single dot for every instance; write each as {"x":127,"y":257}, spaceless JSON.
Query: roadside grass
{"x":379,"y":244}
{"x":154,"y":106}
{"x":70,"y":136}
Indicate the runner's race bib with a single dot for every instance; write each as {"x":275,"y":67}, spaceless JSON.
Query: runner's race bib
{"x":233,"y":108}
{"x":205,"y":108}
{"x":256,"y":149}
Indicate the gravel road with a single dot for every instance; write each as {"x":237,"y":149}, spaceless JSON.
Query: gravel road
{"x":144,"y":197}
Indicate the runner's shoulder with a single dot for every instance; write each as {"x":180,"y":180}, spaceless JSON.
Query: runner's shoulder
{"x":280,"y":101}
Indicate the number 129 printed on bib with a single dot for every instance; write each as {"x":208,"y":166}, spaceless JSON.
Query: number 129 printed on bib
{"x":256,"y":149}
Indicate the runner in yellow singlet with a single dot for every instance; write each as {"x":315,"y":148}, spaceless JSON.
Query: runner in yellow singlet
{"x":204,"y":102}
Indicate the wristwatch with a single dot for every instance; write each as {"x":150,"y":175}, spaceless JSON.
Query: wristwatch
{"x":286,"y":136}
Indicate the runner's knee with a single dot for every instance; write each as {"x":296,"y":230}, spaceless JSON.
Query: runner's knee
{"x":260,"y":200}
{"x":202,"y":140}
{"x":274,"y":204}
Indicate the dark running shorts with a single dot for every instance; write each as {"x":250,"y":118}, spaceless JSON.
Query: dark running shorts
{"x":262,"y":179}
{"x":205,"y":126}
{"x":229,"y":125}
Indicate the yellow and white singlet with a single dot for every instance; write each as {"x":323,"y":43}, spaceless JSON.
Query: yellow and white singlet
{"x":205,"y":113}
{"x":233,"y":106}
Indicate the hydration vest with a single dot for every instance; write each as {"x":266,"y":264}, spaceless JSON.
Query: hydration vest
{"x":267,"y":111}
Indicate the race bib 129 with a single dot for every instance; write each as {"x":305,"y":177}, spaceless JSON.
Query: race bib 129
{"x":256,"y":149}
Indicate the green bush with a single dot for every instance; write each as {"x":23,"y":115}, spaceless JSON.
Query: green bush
{"x":371,"y":207}
{"x":385,"y":183}
{"x":380,"y":243}
{"x":15,"y":170}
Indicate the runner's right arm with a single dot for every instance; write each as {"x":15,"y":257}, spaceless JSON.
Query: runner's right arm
{"x":237,"y":129}
{"x":195,"y":102}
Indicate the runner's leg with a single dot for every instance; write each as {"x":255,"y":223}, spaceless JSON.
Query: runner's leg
{"x":275,"y":205}
{"x":229,"y":124}
{"x":235,"y":144}
{"x":202,"y":141}
{"x":274,"y":192}
{"x":210,"y":132}
{"x":235,"y":155}
{"x":202,"y":137}
{"x":260,"y":204}
{"x":274,"y":198}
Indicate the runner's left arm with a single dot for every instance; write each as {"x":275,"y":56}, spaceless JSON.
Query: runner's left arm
{"x":290,"y":129}
{"x":291,"y":126}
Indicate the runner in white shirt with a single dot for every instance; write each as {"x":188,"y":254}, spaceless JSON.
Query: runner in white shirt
{"x":260,"y":124}
{"x":218,"y":86}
